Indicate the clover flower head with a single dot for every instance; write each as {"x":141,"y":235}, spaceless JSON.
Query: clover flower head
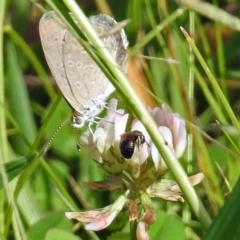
{"x":132,"y":162}
{"x":116,"y":149}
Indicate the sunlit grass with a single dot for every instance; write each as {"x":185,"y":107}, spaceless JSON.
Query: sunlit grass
{"x":197,"y":86}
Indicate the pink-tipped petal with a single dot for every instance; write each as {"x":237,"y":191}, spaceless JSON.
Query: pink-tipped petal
{"x":101,"y":222}
{"x":182,"y":141}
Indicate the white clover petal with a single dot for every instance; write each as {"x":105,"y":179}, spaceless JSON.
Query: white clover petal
{"x":86,"y":139}
{"x":167,"y":135}
{"x":112,"y":105}
{"x":111,"y":114}
{"x":156,"y":157}
{"x":110,"y":136}
{"x":142,"y":231}
{"x":158,"y":116}
{"x":101,"y":222}
{"x":120,"y":127}
{"x":120,"y":123}
{"x":137,"y":125}
{"x":144,"y":153}
{"x":105,"y":218}
{"x":182,"y":140}
{"x":145,"y":148}
{"x":164,"y":117}
{"x":175,"y":128}
{"x":98,"y":133}
{"x":101,"y":137}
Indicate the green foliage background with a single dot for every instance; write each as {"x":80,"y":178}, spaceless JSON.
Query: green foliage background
{"x":203,"y":88}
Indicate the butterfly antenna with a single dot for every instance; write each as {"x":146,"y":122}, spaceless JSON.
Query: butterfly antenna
{"x":42,"y":153}
{"x":76,"y":136}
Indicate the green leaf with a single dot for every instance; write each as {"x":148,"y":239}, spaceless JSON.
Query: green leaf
{"x":226,"y":224}
{"x":155,"y":228}
{"x":59,"y":234}
{"x":172,"y":229}
{"x":15,"y":167}
{"x":40,"y":229}
{"x":119,"y":236}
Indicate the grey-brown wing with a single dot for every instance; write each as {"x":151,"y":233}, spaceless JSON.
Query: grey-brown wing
{"x":79,"y":78}
{"x":88,"y":82}
{"x":52,"y":33}
{"x":116,"y":40}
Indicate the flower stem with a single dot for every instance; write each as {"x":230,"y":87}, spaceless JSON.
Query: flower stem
{"x":133,"y":227}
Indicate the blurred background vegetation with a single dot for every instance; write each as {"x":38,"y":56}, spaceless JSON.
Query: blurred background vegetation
{"x":31,"y":206}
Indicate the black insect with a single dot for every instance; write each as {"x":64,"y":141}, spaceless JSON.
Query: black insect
{"x":128,"y":142}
